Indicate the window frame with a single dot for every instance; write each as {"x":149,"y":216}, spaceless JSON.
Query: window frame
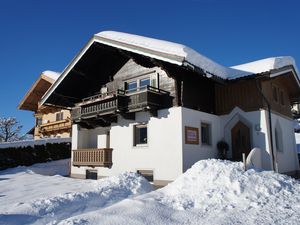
{"x":138,"y":126}
{"x":209,"y":133}
{"x":59,"y":116}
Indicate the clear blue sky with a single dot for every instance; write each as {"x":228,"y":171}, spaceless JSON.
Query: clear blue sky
{"x":45,"y":35}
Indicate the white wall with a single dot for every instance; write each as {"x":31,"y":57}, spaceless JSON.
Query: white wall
{"x":163,"y":153}
{"x":257,"y":121}
{"x":287,"y":160}
{"x":192,"y":152}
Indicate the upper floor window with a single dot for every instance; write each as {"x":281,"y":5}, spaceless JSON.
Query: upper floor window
{"x":278,"y":94}
{"x":132,"y":86}
{"x":39,"y":121}
{"x":59,"y":116}
{"x":144,"y":82}
{"x":281,"y":98}
{"x":275,"y":93}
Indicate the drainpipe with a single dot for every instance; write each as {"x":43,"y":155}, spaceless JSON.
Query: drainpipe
{"x":274,"y":163}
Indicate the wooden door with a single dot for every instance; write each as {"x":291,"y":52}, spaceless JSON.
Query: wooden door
{"x":240,"y":136}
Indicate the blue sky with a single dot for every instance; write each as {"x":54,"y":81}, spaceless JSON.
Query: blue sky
{"x":45,"y":35}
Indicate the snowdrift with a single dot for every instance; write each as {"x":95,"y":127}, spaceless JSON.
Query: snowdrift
{"x":211,"y":192}
{"x":220,"y":187}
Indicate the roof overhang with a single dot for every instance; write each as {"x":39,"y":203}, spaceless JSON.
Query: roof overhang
{"x":119,"y":47}
{"x":35,"y":93}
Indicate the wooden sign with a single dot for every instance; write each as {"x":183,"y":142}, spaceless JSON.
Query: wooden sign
{"x":192,"y":135}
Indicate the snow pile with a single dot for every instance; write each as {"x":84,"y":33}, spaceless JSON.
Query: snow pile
{"x":224,"y":192}
{"x":180,"y":54}
{"x":51,"y":74}
{"x":40,"y":199}
{"x":211,"y":192}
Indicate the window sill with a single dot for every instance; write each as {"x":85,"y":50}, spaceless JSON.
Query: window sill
{"x":140,"y":146}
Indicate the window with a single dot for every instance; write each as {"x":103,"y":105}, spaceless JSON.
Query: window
{"x":275,"y":93}
{"x":147,"y":174}
{"x":132,"y":86}
{"x":91,"y":174}
{"x":139,"y":83}
{"x":278,"y":138}
{"x":144,"y":82}
{"x":281,"y":98}
{"x":39,"y":121}
{"x":140,"y":134}
{"x":205,"y":133}
{"x":59,"y":116}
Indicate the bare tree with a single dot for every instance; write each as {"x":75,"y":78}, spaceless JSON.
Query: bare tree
{"x":9,"y":129}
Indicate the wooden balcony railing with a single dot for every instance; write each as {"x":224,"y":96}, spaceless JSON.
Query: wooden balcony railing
{"x":100,"y":105}
{"x":121,"y":102}
{"x":101,"y":157}
{"x":61,"y":125}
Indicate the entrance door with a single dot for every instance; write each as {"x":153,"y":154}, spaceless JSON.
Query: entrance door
{"x":240,"y":137}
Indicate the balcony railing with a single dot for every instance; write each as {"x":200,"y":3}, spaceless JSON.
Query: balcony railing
{"x":121,"y":101}
{"x":61,"y":125}
{"x":99,"y":105}
{"x":101,"y":157}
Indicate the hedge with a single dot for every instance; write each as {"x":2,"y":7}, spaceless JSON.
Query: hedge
{"x":26,"y":156}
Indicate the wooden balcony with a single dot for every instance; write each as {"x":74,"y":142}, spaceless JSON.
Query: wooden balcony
{"x":146,"y":98}
{"x":100,"y":105}
{"x":92,"y":157}
{"x":55,"y":127}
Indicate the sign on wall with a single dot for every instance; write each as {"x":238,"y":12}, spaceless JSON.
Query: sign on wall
{"x":192,"y":135}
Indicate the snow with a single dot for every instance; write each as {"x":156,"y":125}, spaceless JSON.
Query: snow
{"x":28,"y":196}
{"x":25,"y":143}
{"x":186,"y":54}
{"x":51,"y":74}
{"x":268,"y":64}
{"x":211,"y":192}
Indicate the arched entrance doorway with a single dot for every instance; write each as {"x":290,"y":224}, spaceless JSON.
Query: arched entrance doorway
{"x":240,"y":138}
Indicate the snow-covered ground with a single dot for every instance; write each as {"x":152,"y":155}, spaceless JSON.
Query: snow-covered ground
{"x":211,"y":192}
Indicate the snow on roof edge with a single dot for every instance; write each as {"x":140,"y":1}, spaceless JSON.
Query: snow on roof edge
{"x":188,"y":54}
{"x":51,"y":74}
{"x":193,"y":57}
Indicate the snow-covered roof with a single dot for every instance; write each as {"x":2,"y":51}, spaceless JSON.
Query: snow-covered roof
{"x":179,"y":54}
{"x":51,"y":74}
{"x":182,"y":55}
{"x":267,"y":64}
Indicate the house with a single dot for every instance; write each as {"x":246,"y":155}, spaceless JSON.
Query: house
{"x":157,"y":107}
{"x":49,"y":121}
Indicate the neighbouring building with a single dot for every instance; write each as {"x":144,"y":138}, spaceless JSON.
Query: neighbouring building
{"x":157,"y":107}
{"x":50,"y":122}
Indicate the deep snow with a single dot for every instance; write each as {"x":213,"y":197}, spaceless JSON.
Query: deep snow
{"x":211,"y":192}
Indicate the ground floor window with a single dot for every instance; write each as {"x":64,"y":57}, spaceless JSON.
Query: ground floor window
{"x":140,"y":134}
{"x":148,"y":174}
{"x":278,"y":138}
{"x":91,"y":174}
{"x":206,"y":133}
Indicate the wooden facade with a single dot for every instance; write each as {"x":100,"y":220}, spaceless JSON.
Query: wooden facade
{"x":277,"y":94}
{"x":243,"y":94}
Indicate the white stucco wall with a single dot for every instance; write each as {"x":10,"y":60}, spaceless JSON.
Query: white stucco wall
{"x":162,"y":154}
{"x":287,"y":160}
{"x":257,"y":121}
{"x":168,"y":155}
{"x":192,"y":152}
